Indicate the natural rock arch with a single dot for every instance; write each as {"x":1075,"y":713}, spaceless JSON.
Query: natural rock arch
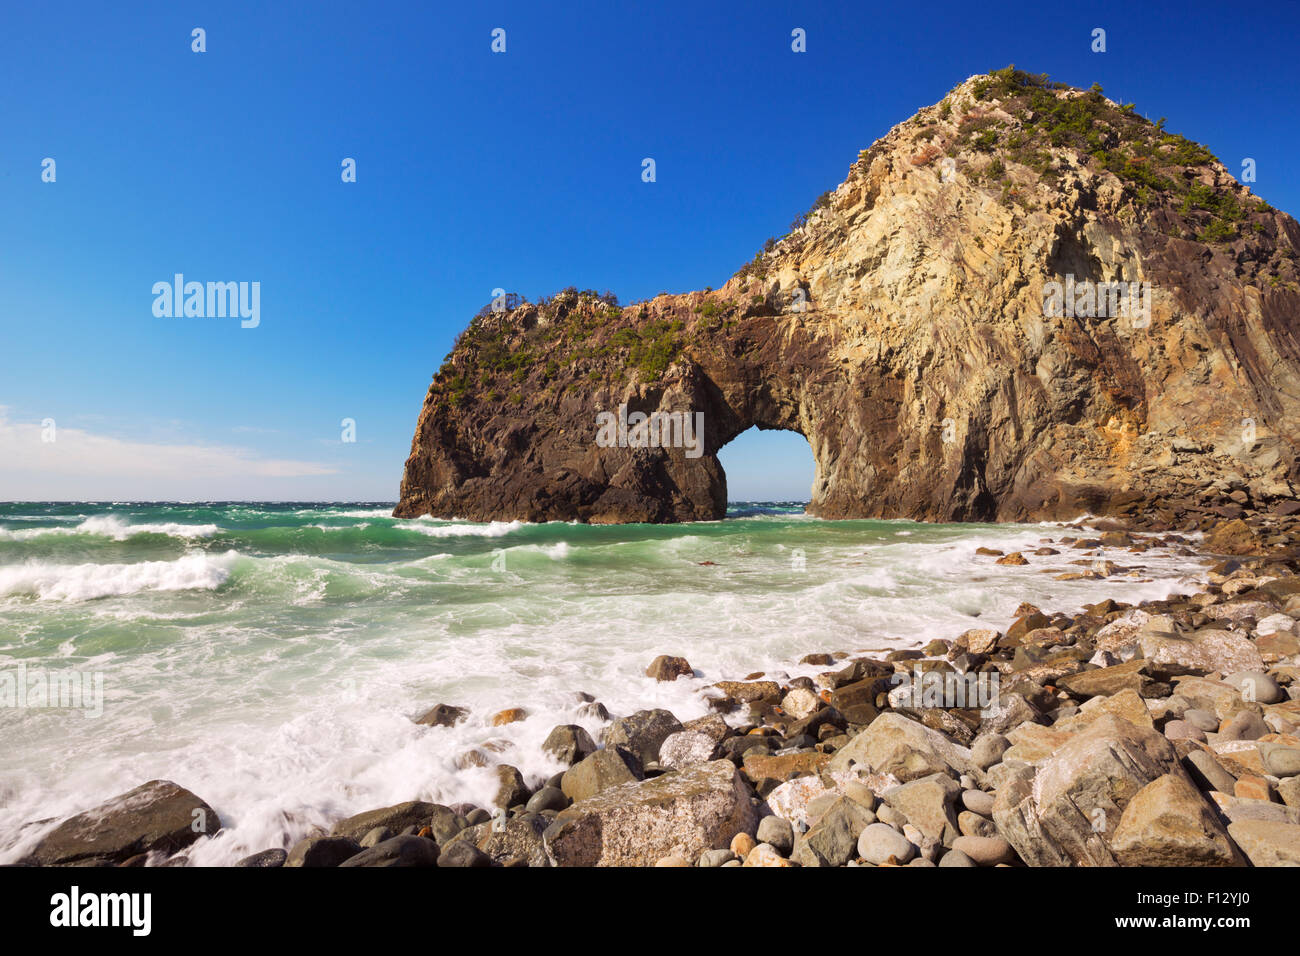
{"x":904,"y":332}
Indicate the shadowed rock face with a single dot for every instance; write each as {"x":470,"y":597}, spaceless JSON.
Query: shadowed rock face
{"x":909,"y":331}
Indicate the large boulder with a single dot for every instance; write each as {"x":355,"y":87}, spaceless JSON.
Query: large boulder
{"x":413,"y":813}
{"x":1200,"y":652}
{"x":681,"y":814}
{"x":642,"y":733}
{"x":156,"y":817}
{"x":400,"y":851}
{"x":569,"y":743}
{"x":1267,"y":843}
{"x":1067,"y":813}
{"x":600,"y":771}
{"x":904,"y":748}
{"x":1168,"y":823}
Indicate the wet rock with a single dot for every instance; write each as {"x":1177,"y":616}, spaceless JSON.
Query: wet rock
{"x":463,"y":853}
{"x":157,"y":817}
{"x":569,"y":743}
{"x":747,"y":692}
{"x":547,"y":798}
{"x":323,"y":851}
{"x":511,"y":789}
{"x":666,"y":668}
{"x":642,"y":733}
{"x":599,"y":771}
{"x":443,"y":715}
{"x":511,"y":715}
{"x":397,"y":818}
{"x":267,"y":859}
{"x":401,"y":851}
{"x":682,"y":813}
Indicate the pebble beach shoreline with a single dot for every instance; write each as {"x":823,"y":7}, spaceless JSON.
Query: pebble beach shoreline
{"x":1166,"y":733}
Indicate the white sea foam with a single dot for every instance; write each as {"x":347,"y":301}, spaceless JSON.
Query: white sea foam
{"x":85,"y":582}
{"x":490,"y":529}
{"x":111,"y":526}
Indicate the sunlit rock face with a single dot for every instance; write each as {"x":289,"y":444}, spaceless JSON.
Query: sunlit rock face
{"x":1024,"y":302}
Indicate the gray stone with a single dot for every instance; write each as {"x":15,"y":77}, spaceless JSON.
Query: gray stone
{"x":442,"y":715}
{"x":569,"y":743}
{"x":956,"y":858}
{"x":377,"y":835}
{"x":463,"y":853}
{"x":927,"y":804}
{"x":157,"y":817}
{"x":716,"y":858}
{"x":401,"y":851}
{"x":547,"y":798}
{"x":1245,"y":725}
{"x":601,"y":770}
{"x":880,"y":843}
{"x":985,"y":851}
{"x":831,"y":840}
{"x":413,"y":813}
{"x":905,"y":748}
{"x":972,"y":824}
{"x":1256,"y":686}
{"x":1202,"y":719}
{"x":1280,"y":760}
{"x":323,"y":851}
{"x":977,"y":801}
{"x":267,"y":859}
{"x":642,"y":733}
{"x":1207,"y":773}
{"x":778,"y":832}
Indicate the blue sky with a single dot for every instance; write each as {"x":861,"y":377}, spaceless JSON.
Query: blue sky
{"x":474,"y":170}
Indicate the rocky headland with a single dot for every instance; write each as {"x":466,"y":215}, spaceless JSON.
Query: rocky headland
{"x":1025,"y":302}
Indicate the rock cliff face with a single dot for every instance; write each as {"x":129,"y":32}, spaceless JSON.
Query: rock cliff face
{"x":1025,"y":302}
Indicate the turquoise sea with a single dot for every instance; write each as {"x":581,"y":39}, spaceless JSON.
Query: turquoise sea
{"x":270,"y":657}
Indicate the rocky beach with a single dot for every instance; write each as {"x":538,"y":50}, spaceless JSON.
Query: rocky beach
{"x":1165,"y":734}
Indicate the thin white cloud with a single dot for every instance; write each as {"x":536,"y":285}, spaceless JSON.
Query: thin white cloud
{"x":82,"y":465}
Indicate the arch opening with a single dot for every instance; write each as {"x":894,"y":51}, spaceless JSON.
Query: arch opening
{"x":767,"y":467}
